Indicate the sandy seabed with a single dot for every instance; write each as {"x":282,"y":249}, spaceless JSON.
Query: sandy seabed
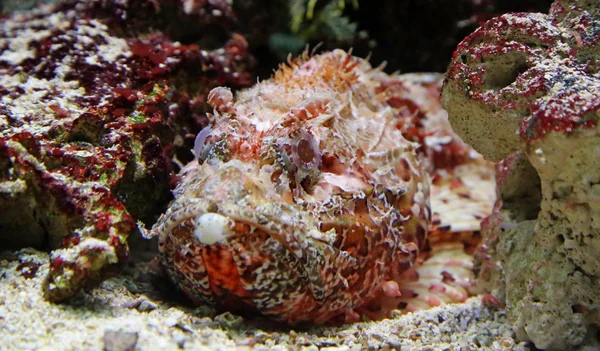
{"x":129,"y":312}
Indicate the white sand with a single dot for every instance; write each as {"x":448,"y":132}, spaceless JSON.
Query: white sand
{"x":113,"y":317}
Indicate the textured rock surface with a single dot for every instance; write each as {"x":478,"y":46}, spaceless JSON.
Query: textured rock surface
{"x":531,"y":83}
{"x":88,"y":125}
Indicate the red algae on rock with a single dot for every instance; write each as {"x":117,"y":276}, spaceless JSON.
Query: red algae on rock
{"x":524,"y":89}
{"x":89,"y":123}
{"x":542,"y":67}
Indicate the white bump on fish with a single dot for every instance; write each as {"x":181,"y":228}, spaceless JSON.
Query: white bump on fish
{"x":211,"y":228}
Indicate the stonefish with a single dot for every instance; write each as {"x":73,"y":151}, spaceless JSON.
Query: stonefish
{"x":309,"y":198}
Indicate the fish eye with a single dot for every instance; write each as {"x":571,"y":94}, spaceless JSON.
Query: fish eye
{"x":305,"y":151}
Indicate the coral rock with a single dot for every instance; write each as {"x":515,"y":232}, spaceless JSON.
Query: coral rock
{"x":89,"y":123}
{"x":530,"y":84}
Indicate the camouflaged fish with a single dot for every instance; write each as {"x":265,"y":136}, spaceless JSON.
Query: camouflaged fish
{"x":309,"y":198}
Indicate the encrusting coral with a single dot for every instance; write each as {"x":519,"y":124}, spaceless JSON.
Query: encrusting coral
{"x":525,"y":87}
{"x":308,"y":200}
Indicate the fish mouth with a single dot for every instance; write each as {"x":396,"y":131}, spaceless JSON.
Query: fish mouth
{"x":215,"y":223}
